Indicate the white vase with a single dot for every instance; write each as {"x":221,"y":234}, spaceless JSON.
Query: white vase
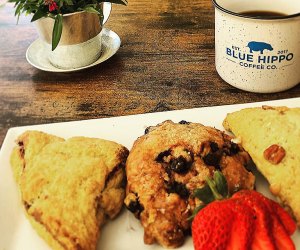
{"x":80,"y":43}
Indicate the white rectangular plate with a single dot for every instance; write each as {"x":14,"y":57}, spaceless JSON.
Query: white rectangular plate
{"x":125,"y":232}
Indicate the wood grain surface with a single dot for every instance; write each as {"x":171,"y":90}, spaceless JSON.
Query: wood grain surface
{"x":166,"y":62}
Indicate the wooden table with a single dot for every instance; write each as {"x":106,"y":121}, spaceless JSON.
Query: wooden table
{"x":166,"y":62}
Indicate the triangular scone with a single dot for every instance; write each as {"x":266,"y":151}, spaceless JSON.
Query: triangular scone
{"x":69,"y":187}
{"x":271,"y":135}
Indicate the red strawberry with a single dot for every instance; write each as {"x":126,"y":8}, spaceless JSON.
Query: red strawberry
{"x":287,"y":221}
{"x":212,"y":226}
{"x":283,"y":216}
{"x":226,"y":224}
{"x":263,"y":238}
{"x":282,"y":239}
{"x":247,"y":220}
{"x":280,"y":236}
{"x":242,"y":231}
{"x":283,"y":224}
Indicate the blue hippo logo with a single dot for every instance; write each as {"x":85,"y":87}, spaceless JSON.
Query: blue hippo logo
{"x":259,"y":46}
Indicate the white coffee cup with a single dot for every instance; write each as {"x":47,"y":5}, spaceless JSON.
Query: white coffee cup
{"x":258,"y":53}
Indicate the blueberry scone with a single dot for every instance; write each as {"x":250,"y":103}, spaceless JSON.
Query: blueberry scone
{"x":271,"y":135}
{"x":167,"y":164}
{"x":69,"y":187}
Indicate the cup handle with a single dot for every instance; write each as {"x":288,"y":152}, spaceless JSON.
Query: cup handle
{"x":106,"y":11}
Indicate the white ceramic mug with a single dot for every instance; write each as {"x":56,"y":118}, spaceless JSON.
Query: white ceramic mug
{"x":258,"y":53}
{"x":80,"y":43}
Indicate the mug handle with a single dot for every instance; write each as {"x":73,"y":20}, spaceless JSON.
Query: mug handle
{"x":106,"y":11}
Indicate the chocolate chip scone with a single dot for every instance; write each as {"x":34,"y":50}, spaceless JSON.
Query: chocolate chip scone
{"x":69,"y":187}
{"x":167,"y":164}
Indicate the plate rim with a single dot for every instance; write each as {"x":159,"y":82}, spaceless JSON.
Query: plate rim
{"x":119,"y":120}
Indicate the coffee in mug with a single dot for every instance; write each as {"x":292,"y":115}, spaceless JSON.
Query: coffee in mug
{"x":261,"y":13}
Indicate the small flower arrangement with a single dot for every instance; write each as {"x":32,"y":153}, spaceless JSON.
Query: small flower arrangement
{"x":57,"y":8}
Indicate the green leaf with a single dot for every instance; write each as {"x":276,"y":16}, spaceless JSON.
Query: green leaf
{"x":68,"y":2}
{"x":19,"y":9}
{"x":81,"y":4}
{"x":57,"y":30}
{"x":216,"y":188}
{"x":37,"y":15}
{"x":221,"y":183}
{"x":91,"y":9}
{"x":204,"y":194}
{"x":65,"y":6}
{"x":213,"y":187}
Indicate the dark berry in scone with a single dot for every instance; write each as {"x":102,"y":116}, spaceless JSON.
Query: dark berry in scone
{"x":167,"y":164}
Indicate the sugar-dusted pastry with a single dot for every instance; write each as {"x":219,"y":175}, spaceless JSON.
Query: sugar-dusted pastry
{"x":271,"y":135}
{"x":167,"y":164}
{"x":69,"y":187}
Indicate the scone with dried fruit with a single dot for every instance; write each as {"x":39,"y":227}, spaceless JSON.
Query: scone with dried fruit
{"x":69,"y":187}
{"x":167,"y":164}
{"x":271,"y":135}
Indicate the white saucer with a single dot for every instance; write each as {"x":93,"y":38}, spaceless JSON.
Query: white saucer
{"x":37,"y":57}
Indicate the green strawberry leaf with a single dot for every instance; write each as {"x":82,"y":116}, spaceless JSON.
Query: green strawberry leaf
{"x":212,"y":185}
{"x":221,"y":184}
{"x":216,"y":188}
{"x":57,"y":30}
{"x":204,"y":194}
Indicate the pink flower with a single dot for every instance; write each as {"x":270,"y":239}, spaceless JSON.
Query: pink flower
{"x":52,"y":5}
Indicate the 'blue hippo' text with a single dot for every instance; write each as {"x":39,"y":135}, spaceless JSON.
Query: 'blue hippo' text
{"x":256,"y":58}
